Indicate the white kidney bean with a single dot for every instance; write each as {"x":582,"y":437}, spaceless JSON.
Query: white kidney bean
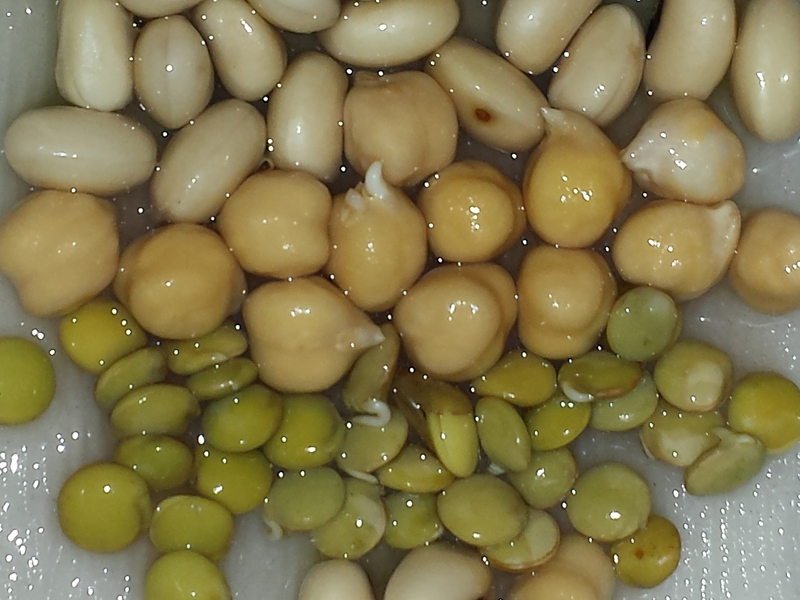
{"x":93,"y":60}
{"x":602,"y":67}
{"x":304,"y":116}
{"x":336,"y":580}
{"x":66,"y":148}
{"x":765,"y":71}
{"x":150,"y":9}
{"x":496,"y":103}
{"x":248,"y":53}
{"x":391,"y":32}
{"x":299,"y":16}
{"x":207,"y":160}
{"x":533,"y":33}
{"x":172,"y":71}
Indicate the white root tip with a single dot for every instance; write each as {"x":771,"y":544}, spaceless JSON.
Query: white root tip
{"x":273,"y":530}
{"x":377,"y":414}
{"x":374,"y":182}
{"x":369,"y":478}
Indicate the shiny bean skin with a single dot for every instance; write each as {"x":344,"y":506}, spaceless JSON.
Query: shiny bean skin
{"x":299,"y":16}
{"x":150,"y":9}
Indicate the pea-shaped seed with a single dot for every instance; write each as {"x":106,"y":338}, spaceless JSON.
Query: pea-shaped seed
{"x":310,"y":434}
{"x":557,"y":422}
{"x":366,"y":448}
{"x":163,"y":462}
{"x":598,"y":375}
{"x":104,"y":507}
{"x":627,"y":411}
{"x":139,"y":369}
{"x":305,"y":500}
{"x":650,"y":555}
{"x":238,"y":481}
{"x":548,"y":478}
{"x":308,"y":16}
{"x":192,"y":523}
{"x":185,"y":575}
{"x":99,"y":333}
{"x":218,"y":381}
{"x":27,"y":381}
{"x":520,"y":377}
{"x":767,"y":406}
{"x":694,"y":376}
{"x":679,"y":438}
{"x":336,"y":577}
{"x":149,"y":9}
{"x":643,"y":323}
{"x":357,"y":528}
{"x":415,"y":470}
{"x":155,"y":409}
{"x":243,"y":421}
{"x":503,"y":434}
{"x":609,"y":502}
{"x":411,"y":520}
{"x":536,"y":545}
{"x":727,"y":466}
{"x":482,"y":510}
{"x":186,"y":357}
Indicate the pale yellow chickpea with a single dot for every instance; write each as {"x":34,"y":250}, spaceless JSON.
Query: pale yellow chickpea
{"x":59,"y":250}
{"x":276,"y":224}
{"x":455,"y":321}
{"x":565,"y":297}
{"x":180,"y":282}
{"x":765,"y":270}
{"x":473,"y":212}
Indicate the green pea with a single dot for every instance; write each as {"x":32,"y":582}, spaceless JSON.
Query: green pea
{"x":358,"y":526}
{"x":767,"y":406}
{"x":27,"y":381}
{"x":643,"y":323}
{"x":305,"y":500}
{"x":185,"y":575}
{"x":104,"y":507}
{"x":310,"y":434}
{"x":520,"y":377}
{"x":609,"y":502}
{"x":243,"y":421}
{"x":547,"y":479}
{"x":223,"y":379}
{"x":238,"y":481}
{"x":155,"y":409}
{"x":629,"y":411}
{"x":727,"y":466}
{"x":536,"y":545}
{"x":557,"y":422}
{"x":503,"y":434}
{"x":411,"y":520}
{"x":598,"y":375}
{"x":163,"y":462}
{"x":143,"y":367}
{"x":186,"y":357}
{"x":694,"y":376}
{"x":679,"y":438}
{"x":415,"y":470}
{"x":366,"y":448}
{"x":99,"y":333}
{"x":650,"y":555}
{"x":192,"y":523}
{"x":482,"y":510}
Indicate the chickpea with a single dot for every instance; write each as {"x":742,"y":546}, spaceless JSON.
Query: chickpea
{"x":180,"y":282}
{"x":473,"y":212}
{"x":565,"y":298}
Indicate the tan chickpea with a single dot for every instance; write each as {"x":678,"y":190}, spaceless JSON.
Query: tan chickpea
{"x":378,"y":247}
{"x":681,"y":248}
{"x":565,"y":297}
{"x":180,"y":282}
{"x":305,"y":334}
{"x":455,"y":321}
{"x":765,"y":269}
{"x":276,"y":224}
{"x":59,"y":250}
{"x":575,"y":183}
{"x":473,"y":212}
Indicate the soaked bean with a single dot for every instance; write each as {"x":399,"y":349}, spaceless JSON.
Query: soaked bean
{"x":598,"y":375}
{"x":243,"y":421}
{"x":643,"y":323}
{"x":415,"y":470}
{"x":305,"y":500}
{"x":547,"y":479}
{"x":238,"y":481}
{"x":536,"y":545}
{"x":185,"y":575}
{"x":150,"y":9}
{"x":503,"y":434}
{"x":27,"y":381}
{"x":628,"y":411}
{"x":218,"y":381}
{"x":186,"y":357}
{"x":192,"y":523}
{"x":520,"y":377}
{"x":411,"y":520}
{"x":304,"y":16}
{"x":139,"y":369}
{"x":163,"y":462}
{"x":731,"y":464}
{"x":557,"y":422}
{"x":694,"y":376}
{"x":650,"y":555}
{"x":154,"y":409}
{"x":368,"y":447}
{"x":330,"y":579}
{"x":679,"y":438}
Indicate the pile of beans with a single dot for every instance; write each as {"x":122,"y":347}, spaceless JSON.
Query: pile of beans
{"x":372,"y":366}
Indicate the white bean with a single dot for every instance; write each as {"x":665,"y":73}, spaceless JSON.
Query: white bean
{"x":150,"y":9}
{"x":691,"y":50}
{"x":304,"y":116}
{"x":602,"y":67}
{"x":299,"y":16}
{"x":66,"y":148}
{"x":248,"y":52}
{"x":391,"y":32}
{"x":207,"y":160}
{"x":172,"y":71}
{"x":765,"y":71}
{"x":496,"y":103}
{"x":533,"y":33}
{"x":93,"y":61}
{"x":336,"y":580}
